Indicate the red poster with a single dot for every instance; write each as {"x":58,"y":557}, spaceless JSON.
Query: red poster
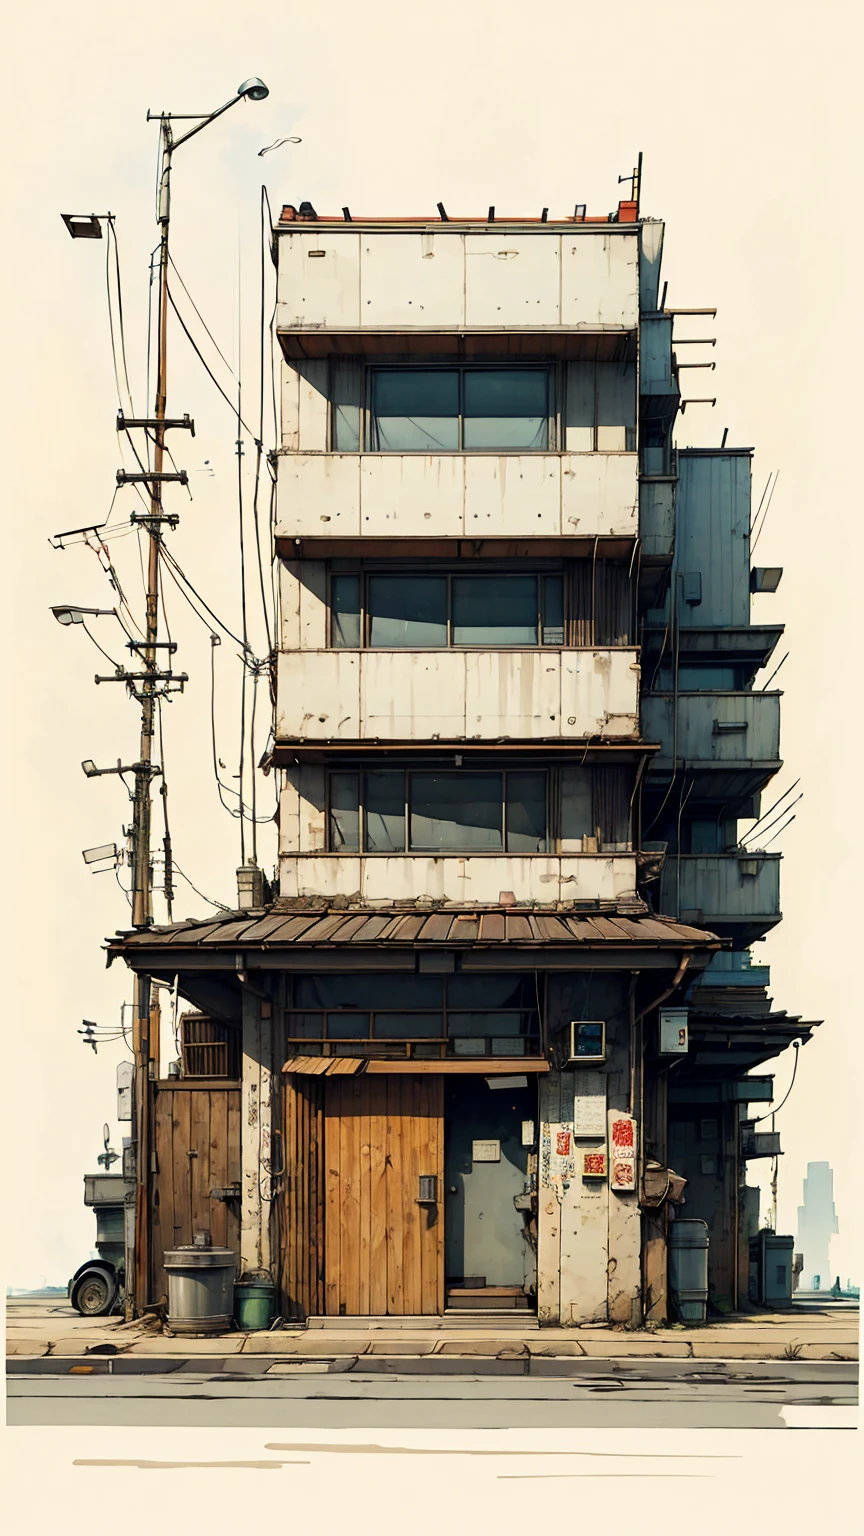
{"x":622,"y":1133}
{"x":562,"y":1143}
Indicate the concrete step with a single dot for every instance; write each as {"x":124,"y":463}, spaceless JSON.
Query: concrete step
{"x":511,"y":1321}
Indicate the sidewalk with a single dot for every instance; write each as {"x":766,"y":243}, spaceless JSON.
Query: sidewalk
{"x":39,"y":1329}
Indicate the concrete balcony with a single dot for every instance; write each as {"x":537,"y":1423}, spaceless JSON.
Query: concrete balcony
{"x":326,"y":501}
{"x":358,"y":284}
{"x":437,"y":696}
{"x":459,"y":878}
{"x":729,"y":743}
{"x":734,"y":895}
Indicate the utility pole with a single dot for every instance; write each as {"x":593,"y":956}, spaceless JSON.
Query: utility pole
{"x":145,"y":1018}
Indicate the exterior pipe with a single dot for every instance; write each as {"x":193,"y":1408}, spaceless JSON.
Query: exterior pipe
{"x":676,"y":981}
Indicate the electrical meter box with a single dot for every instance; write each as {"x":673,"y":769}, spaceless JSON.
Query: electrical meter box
{"x":674,"y":1037}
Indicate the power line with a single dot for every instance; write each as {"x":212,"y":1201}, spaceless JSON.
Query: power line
{"x":205,"y":365}
{"x":218,"y":904}
{"x":201,"y":317}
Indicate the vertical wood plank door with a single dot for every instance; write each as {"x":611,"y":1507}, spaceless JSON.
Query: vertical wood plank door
{"x":204,"y":1122}
{"x":383,"y":1251}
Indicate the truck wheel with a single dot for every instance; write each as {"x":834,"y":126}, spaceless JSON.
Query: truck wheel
{"x":94,"y":1293}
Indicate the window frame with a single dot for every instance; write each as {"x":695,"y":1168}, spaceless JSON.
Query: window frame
{"x":554,"y":399}
{"x":395,"y":1045}
{"x":365,"y":575}
{"x":406,"y":851}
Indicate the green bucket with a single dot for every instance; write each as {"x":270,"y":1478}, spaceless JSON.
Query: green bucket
{"x":254,"y":1304}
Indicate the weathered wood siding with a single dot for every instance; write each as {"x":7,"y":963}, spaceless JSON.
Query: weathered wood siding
{"x":301,"y":1228}
{"x":194,"y":1117}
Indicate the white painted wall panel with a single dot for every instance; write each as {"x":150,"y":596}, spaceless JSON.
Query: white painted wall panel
{"x":312,"y":405}
{"x":600,"y":281}
{"x":319,"y":291}
{"x":512,"y":693}
{"x":598,"y":693}
{"x":318,"y":495}
{"x":600,"y":494}
{"x":512,"y":495}
{"x":457,"y":695}
{"x":449,"y":496}
{"x":289,"y":604}
{"x":416,"y":698}
{"x":313,"y":605}
{"x":539,"y":877}
{"x":411,"y":496}
{"x":412,"y":280}
{"x":319,"y":695}
{"x":512,"y":279}
{"x":290,"y":414}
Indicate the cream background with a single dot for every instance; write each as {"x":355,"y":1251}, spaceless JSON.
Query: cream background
{"x":744,"y":115}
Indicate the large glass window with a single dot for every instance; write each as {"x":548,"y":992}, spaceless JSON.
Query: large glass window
{"x":426,"y":1016}
{"x":409,"y":610}
{"x":461,"y":811}
{"x":434,"y":410}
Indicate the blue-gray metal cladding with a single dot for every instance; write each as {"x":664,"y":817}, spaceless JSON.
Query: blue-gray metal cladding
{"x":701,"y":721}
{"x":713,"y":535}
{"x":655,"y":356}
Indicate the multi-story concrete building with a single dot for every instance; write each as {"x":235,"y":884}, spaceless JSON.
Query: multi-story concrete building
{"x":510,"y":782}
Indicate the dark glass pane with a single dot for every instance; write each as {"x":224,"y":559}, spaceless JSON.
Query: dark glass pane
{"x":372,"y":990}
{"x":526,"y":813}
{"x":404,"y":1026}
{"x":506,"y":408}
{"x":344,"y":813}
{"x":407,"y":610}
{"x":495,"y":610}
{"x":553,"y":610}
{"x":589,"y":1039}
{"x":385,"y":811}
{"x":455,"y":810}
{"x":305,"y":1026}
{"x":473,"y":992}
{"x":482,"y":1023}
{"x":347,"y":1026}
{"x":345,"y":611}
{"x":415,"y":409}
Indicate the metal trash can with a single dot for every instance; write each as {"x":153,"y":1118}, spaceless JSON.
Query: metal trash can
{"x":200,"y":1288}
{"x":254,"y":1302}
{"x":688,"y":1268}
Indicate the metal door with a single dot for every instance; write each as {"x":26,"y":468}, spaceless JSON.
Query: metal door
{"x":485,"y":1236}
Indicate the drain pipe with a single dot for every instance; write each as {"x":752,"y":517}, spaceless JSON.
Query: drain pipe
{"x":661,"y":998}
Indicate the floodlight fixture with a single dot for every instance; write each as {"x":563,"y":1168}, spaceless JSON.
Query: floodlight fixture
{"x":100,"y":854}
{"x":90,"y":768}
{"x":84,"y":226}
{"x":68,"y":613}
{"x":254,"y":89}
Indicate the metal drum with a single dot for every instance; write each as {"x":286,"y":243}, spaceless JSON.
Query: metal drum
{"x":200,"y":1289}
{"x":688,"y":1268}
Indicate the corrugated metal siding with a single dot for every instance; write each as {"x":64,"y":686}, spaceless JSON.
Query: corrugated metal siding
{"x":602,"y":603}
{"x":713,"y":535}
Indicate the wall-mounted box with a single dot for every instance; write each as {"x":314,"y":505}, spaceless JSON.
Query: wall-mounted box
{"x":674,"y":1032}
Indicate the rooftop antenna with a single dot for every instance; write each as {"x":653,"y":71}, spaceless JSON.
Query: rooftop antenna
{"x":635,"y":179}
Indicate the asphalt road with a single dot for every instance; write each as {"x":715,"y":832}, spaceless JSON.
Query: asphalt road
{"x":656,"y":1394}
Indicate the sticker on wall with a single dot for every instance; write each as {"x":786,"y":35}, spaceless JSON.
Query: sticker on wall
{"x":556,"y":1151}
{"x":594,"y":1165}
{"x":622,"y":1150}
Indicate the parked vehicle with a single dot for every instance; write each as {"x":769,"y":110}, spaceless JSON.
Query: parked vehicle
{"x":97,"y":1287}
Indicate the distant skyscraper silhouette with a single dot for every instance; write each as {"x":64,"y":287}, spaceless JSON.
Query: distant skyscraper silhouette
{"x":817,"y":1222}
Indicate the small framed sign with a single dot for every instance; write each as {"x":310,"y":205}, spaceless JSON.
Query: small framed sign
{"x":486,"y":1151}
{"x":594,"y":1165}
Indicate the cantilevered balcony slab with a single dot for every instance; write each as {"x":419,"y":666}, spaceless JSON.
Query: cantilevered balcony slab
{"x":336,"y":503}
{"x":735,"y":895}
{"x":459,"y":878}
{"x":454,"y":696}
{"x":726,"y":744}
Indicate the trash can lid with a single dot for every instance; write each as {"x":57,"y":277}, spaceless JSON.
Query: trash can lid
{"x":191,"y":1257}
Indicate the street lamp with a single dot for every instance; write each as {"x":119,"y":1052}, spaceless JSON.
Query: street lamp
{"x":67,"y":613}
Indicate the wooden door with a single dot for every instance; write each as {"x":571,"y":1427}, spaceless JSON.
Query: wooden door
{"x":197,"y":1149}
{"x":383,"y":1251}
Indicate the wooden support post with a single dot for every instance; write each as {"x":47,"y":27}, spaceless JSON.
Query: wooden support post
{"x":256,"y":1125}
